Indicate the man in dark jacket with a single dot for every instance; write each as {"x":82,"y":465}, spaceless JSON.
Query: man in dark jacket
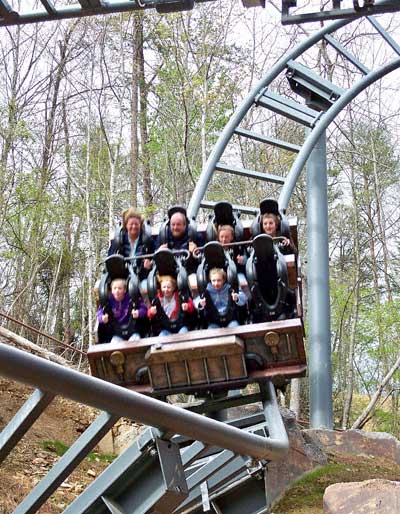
{"x":178,"y":234}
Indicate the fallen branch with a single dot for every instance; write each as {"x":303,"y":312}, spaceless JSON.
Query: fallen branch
{"x":32,"y":347}
{"x":361,"y":420}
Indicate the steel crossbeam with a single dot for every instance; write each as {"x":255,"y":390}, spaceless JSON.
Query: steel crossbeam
{"x":23,"y":420}
{"x":51,"y":12}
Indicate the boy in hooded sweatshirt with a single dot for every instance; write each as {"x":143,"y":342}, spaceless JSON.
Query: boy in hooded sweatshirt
{"x":220,"y":302}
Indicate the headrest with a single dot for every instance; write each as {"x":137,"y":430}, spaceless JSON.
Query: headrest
{"x":176,"y":208}
{"x":270,"y":206}
{"x":223,"y":214}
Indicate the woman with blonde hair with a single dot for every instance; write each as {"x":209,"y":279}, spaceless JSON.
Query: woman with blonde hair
{"x":133,"y":239}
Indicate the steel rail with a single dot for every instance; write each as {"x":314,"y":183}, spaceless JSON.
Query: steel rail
{"x":48,"y":376}
{"x":43,"y":334}
{"x":323,"y":123}
{"x":230,"y":128}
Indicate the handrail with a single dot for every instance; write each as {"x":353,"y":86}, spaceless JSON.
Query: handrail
{"x":47,"y":376}
{"x":39,"y":332}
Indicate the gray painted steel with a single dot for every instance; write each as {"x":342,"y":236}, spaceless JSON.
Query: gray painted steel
{"x":112,"y":398}
{"x":235,"y":120}
{"x":346,"y":54}
{"x":338,"y":13}
{"x":137,"y":480}
{"x":241,"y":208}
{"x":22,"y":421}
{"x":51,"y":12}
{"x":249,"y":173}
{"x":387,"y":37}
{"x":279,"y":143}
{"x":319,"y":333}
{"x":325,"y":120}
{"x":68,"y":462}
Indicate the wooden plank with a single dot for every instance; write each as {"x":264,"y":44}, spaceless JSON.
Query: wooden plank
{"x":189,"y":350}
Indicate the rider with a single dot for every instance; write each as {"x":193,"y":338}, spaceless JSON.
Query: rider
{"x":119,"y":312}
{"x":169,"y":313}
{"x":220,"y":301}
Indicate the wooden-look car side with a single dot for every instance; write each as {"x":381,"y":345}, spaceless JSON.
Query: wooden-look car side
{"x":204,"y":360}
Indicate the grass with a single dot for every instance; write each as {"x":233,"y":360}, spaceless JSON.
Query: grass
{"x":60,"y":448}
{"x":306,"y":495}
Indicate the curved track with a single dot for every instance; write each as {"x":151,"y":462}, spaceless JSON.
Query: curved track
{"x":262,"y":96}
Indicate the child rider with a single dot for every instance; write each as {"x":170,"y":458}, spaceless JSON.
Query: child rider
{"x":219,"y":302}
{"x":170,"y":314}
{"x":120,"y":307}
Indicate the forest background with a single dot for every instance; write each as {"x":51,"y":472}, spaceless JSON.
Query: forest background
{"x":104,"y":112}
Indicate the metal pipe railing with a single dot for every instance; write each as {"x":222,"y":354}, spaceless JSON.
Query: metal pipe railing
{"x":48,"y":376}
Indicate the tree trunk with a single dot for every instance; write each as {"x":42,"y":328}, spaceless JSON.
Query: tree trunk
{"x":135,"y":108}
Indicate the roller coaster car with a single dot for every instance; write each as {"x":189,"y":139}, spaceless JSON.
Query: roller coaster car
{"x":204,"y":361}
{"x":214,"y":360}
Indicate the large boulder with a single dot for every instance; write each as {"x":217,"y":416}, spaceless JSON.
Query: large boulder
{"x":356,"y":442}
{"x":371,"y":496}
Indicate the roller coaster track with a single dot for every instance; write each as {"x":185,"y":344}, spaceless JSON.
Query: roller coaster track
{"x":212,"y":466}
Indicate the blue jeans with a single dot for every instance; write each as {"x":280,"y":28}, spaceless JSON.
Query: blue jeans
{"x":182,"y":330}
{"x":231,"y":324}
{"x":118,"y":339}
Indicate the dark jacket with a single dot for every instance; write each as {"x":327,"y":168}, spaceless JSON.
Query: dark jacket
{"x":182,"y":244}
{"x":142,"y":248}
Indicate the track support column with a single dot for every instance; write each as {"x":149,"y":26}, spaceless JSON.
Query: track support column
{"x":319,"y":333}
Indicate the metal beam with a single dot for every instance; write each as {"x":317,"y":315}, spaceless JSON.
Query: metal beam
{"x":347,"y":55}
{"x":324,"y":122}
{"x":7,"y":11}
{"x":241,"y":208}
{"x":147,"y":477}
{"x":339,"y":14}
{"x":9,"y":16}
{"x":268,"y":140}
{"x":266,"y":177}
{"x":92,"y":391}
{"x":387,"y":37}
{"x":288,"y":108}
{"x":68,"y":462}
{"x":319,"y":333}
{"x":23,"y":420}
{"x":244,"y":107}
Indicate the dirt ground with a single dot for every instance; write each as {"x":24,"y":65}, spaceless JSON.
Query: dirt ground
{"x":62,"y":422}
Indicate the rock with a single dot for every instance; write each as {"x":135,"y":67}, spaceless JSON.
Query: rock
{"x":356,"y":442}
{"x":304,"y":455}
{"x":369,"y":497}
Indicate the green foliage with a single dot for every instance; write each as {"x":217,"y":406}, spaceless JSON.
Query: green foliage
{"x":60,"y":448}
